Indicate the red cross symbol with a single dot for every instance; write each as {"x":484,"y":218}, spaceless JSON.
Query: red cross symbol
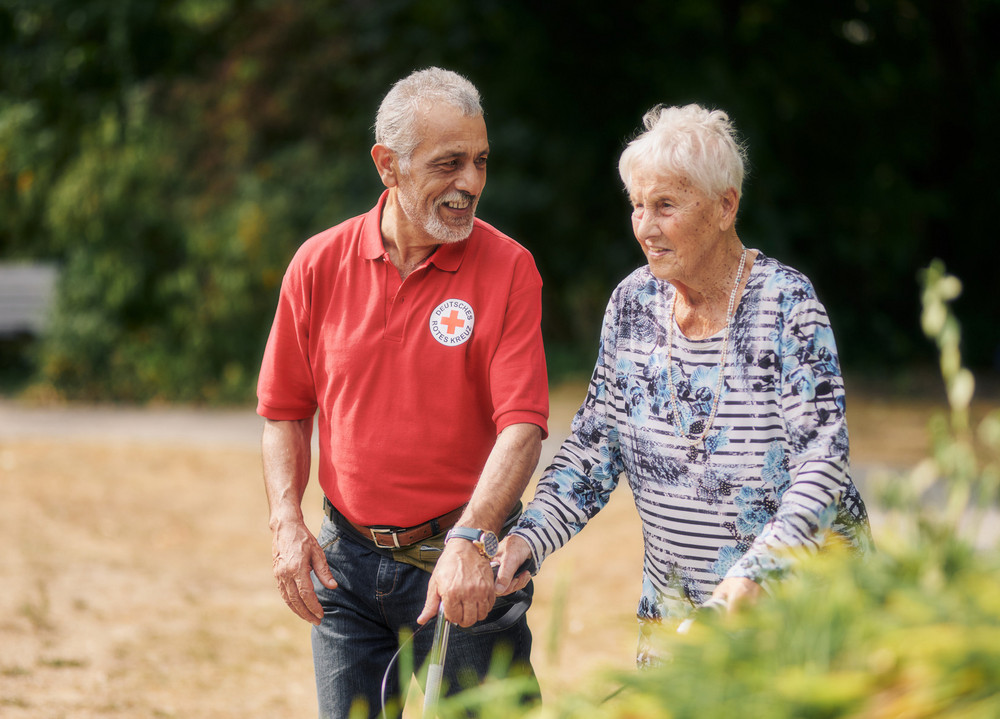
{"x":453,"y":322}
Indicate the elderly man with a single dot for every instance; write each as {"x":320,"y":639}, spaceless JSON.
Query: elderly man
{"x":414,"y":331}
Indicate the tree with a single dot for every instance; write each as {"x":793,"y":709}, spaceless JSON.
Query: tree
{"x":206,"y":139}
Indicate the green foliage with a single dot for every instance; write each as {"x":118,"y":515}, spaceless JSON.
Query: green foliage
{"x":27,"y":167}
{"x":869,"y":127}
{"x":110,"y":219}
{"x":912,"y":631}
{"x":149,"y":308}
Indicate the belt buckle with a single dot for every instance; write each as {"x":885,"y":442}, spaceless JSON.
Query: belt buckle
{"x":392,"y":533}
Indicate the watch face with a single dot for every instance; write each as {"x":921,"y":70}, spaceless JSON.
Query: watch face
{"x":490,"y":543}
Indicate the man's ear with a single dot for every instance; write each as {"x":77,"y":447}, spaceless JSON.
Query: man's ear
{"x":386,"y":164}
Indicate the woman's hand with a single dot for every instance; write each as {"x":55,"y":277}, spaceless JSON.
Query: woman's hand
{"x":513,"y":552}
{"x":737,"y":592}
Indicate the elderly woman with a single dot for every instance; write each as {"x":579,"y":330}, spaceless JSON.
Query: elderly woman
{"x":717,"y":392}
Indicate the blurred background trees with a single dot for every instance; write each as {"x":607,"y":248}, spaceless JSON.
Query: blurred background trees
{"x":171,"y":156}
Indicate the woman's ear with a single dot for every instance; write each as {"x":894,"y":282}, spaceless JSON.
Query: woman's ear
{"x":386,"y":164}
{"x":729,"y":205}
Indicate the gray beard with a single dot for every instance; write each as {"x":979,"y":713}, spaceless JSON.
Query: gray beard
{"x":432,"y":224}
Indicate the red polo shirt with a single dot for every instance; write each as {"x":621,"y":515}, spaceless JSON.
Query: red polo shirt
{"x":413,"y":379}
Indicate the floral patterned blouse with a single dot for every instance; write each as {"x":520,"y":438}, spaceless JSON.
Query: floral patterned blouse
{"x":771,"y":478}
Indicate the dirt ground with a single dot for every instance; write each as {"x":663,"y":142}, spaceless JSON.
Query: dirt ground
{"x":135,"y":566}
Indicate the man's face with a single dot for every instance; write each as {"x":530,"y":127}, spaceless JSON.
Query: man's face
{"x":440,"y":186}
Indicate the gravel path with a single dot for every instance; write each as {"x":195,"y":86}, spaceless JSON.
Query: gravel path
{"x":172,"y":425}
{"x":241,"y":429}
{"x":238,"y":428}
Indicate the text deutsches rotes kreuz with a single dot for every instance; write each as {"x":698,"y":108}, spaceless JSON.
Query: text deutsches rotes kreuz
{"x":451,"y":322}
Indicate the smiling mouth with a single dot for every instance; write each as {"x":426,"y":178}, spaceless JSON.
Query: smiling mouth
{"x":458,"y":202}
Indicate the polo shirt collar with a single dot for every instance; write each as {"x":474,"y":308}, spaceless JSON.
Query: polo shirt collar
{"x":448,"y":256}
{"x":371,"y":235}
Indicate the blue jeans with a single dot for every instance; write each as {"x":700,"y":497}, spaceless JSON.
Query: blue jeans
{"x":377,"y":599}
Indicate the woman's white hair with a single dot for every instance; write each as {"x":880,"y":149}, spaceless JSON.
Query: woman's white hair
{"x":692,"y":141}
{"x":396,"y":121}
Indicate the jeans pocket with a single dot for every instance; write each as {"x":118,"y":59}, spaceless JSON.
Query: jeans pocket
{"x":327,"y":545}
{"x":329,"y":535}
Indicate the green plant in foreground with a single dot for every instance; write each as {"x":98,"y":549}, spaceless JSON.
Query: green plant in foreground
{"x":966,"y":458}
{"x":913,"y":631}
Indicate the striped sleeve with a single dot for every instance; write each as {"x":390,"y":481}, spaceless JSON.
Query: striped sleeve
{"x":579,"y":482}
{"x":812,"y":400}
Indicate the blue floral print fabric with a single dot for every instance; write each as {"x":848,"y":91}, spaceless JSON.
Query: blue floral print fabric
{"x":771,"y":478}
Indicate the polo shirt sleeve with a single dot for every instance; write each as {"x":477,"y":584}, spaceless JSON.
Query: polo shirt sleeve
{"x":518,"y":379}
{"x":285,"y":387}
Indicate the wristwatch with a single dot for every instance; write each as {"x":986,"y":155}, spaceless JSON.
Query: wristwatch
{"x":482,"y":539}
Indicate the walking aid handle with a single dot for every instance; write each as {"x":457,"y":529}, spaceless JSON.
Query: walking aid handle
{"x":435,"y":668}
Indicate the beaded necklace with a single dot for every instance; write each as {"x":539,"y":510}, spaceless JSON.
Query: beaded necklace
{"x":693,"y":442}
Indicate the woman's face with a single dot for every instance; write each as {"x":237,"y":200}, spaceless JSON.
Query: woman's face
{"x":677,"y":225}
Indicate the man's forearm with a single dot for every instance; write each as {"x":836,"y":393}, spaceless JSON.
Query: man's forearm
{"x":286,"y":448}
{"x":286,"y":453}
{"x":505,"y":476}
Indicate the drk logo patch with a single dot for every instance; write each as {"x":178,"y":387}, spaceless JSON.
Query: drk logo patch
{"x":452,"y":321}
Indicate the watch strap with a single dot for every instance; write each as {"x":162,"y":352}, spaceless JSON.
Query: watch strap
{"x":463,"y":533}
{"x":484,"y":541}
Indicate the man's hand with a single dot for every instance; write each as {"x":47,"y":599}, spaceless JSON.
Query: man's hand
{"x":463,"y":580}
{"x":513,"y":552}
{"x":295,"y":552}
{"x":737,"y":592}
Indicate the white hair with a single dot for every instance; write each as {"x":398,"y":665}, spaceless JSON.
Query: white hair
{"x":396,"y":121}
{"x":692,"y":141}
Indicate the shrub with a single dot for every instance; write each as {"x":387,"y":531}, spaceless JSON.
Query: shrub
{"x":167,"y":290}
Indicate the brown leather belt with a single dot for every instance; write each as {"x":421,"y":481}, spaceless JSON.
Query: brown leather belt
{"x":398,"y":537}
